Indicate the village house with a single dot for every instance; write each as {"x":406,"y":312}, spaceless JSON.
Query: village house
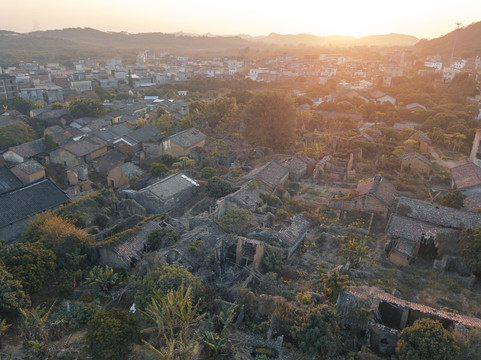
{"x":423,"y":140}
{"x":123,"y":175}
{"x":181,"y":143}
{"x":107,"y":161}
{"x":380,"y":97}
{"x":166,"y":194}
{"x":272,"y":174}
{"x":248,"y":197}
{"x":297,"y":167}
{"x":374,"y":195}
{"x":83,"y":150}
{"x":419,"y":228}
{"x":415,"y":107}
{"x":12,"y":117}
{"x":19,"y":205}
{"x":393,"y":314}
{"x":416,"y":163}
{"x":29,"y":171}
{"x":20,"y":153}
{"x":466,"y":178}
{"x":136,"y":138}
{"x":8,"y":180}
{"x":293,"y":236}
{"x":128,"y":252}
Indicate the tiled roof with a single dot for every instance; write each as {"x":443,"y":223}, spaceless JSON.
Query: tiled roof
{"x":412,"y":229}
{"x":248,"y":196}
{"x":378,"y":94}
{"x":295,"y":164}
{"x":113,"y":157}
{"x":364,"y":136}
{"x":29,"y":200}
{"x":170,"y":186}
{"x":30,"y":167}
{"x":144,"y":133}
{"x":29,"y":149}
{"x":296,"y":230}
{"x":437,"y":214}
{"x":85,"y":146}
{"x":130,"y":169}
{"x":379,"y":187}
{"x":188,"y":137}
{"x":8,"y":180}
{"x":416,"y":155}
{"x":270,"y":174}
{"x":422,"y":136}
{"x":111,"y":133}
{"x":133,"y":246}
{"x":366,"y":293}
{"x":11,"y":118}
{"x":472,"y":202}
{"x":466,"y":175}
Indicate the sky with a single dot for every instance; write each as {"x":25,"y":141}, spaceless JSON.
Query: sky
{"x":421,"y":18}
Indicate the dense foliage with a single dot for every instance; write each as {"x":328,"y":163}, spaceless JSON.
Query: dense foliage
{"x":239,"y":221}
{"x":217,"y":187}
{"x":163,"y":280}
{"x":111,"y":333}
{"x":426,"y":339}
{"x":30,"y":263}
{"x":16,"y":134}
{"x":469,"y":244}
{"x":161,"y":237}
{"x":85,"y":108}
{"x":453,"y":199}
{"x":270,"y":121}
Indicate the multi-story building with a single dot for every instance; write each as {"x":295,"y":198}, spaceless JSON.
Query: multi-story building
{"x":8,"y":86}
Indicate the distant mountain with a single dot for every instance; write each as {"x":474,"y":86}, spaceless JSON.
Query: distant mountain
{"x":335,"y":40}
{"x":468,"y":43}
{"x":65,"y":44}
{"x":387,"y":40}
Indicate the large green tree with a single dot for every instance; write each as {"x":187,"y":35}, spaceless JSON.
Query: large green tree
{"x":85,"y":107}
{"x":12,"y":296}
{"x":426,"y":339}
{"x":111,"y":333}
{"x":30,"y":263}
{"x":270,"y":120}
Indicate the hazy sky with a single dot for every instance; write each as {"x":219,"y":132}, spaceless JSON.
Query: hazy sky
{"x":422,"y":18}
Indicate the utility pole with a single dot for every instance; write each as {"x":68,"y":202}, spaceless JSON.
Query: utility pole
{"x":458,"y":25}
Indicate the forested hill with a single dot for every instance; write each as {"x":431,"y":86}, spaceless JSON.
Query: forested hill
{"x":468,"y":43}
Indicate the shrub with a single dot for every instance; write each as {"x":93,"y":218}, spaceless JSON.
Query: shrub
{"x":239,"y":221}
{"x":111,"y":333}
{"x":161,"y":237}
{"x":163,"y":280}
{"x":80,"y":316}
{"x":426,"y":339}
{"x":453,"y":199}
{"x":30,"y":263}
{"x":12,"y":296}
{"x":207,"y":173}
{"x":319,"y":334}
{"x":216,"y":187}
{"x":469,"y":244}
{"x":157,"y":169}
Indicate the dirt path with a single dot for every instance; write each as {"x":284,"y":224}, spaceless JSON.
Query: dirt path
{"x":437,"y":155}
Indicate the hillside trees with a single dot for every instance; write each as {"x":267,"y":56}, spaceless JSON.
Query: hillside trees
{"x":270,"y":120}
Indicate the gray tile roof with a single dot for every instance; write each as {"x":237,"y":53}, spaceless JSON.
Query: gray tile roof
{"x":170,"y":186}
{"x":416,"y":155}
{"x":30,"y":167}
{"x":29,"y":200}
{"x":85,"y":146}
{"x":270,"y":174}
{"x":437,"y":215}
{"x":130,"y":169}
{"x":144,"y":133}
{"x":188,"y":137}
{"x":30,"y":148}
{"x":8,"y":180}
{"x":114,"y":132}
{"x":11,"y":118}
{"x":413,"y":229}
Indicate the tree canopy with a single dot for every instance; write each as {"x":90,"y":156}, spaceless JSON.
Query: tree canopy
{"x":453,"y":199}
{"x":85,"y":107}
{"x":270,"y":120}
{"x":426,"y":339}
